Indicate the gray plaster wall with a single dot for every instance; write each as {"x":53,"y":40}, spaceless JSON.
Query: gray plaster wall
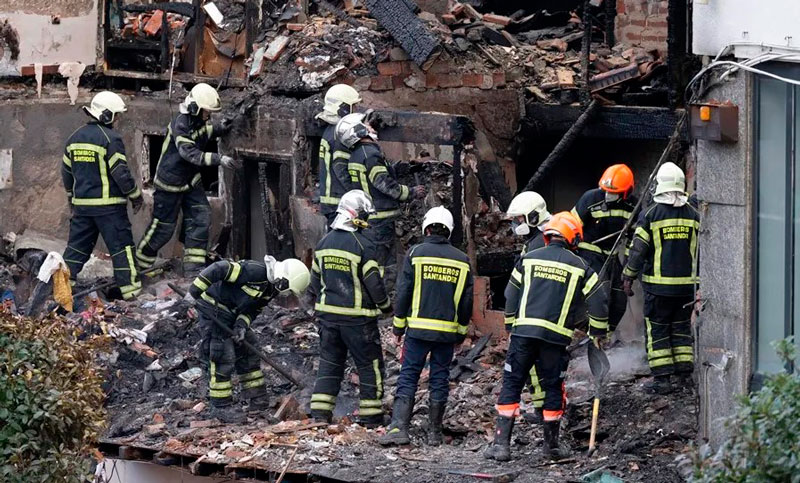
{"x":723,"y":187}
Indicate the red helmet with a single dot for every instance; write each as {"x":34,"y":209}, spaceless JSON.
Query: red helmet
{"x":565,"y":225}
{"x":617,"y":179}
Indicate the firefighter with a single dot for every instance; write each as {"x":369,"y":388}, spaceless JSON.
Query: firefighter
{"x":349,"y":297}
{"x":433,"y":308}
{"x":334,"y":178}
{"x":529,"y":215}
{"x":234,"y":293}
{"x":99,"y":184}
{"x":178,"y":183}
{"x":378,"y":179}
{"x":604,"y":212}
{"x":664,"y":253}
{"x":542,"y":299}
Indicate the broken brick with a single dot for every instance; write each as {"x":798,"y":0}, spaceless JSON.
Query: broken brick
{"x":393,"y":68}
{"x":276,"y":48}
{"x":203,"y":423}
{"x":566,"y":77}
{"x":499,"y":79}
{"x":295,"y":27}
{"x":199,"y":407}
{"x":483,"y":81}
{"x":381,"y":83}
{"x":158,"y":418}
{"x":153,"y":26}
{"x":552,"y":44}
{"x":154,"y":429}
{"x":457,"y":9}
{"x":496,"y":19}
{"x":448,"y":19}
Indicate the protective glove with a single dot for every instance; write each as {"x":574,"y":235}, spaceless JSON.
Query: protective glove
{"x":239,"y":330}
{"x":136,"y":204}
{"x":419,"y":191}
{"x":230,"y":163}
{"x":627,"y":286}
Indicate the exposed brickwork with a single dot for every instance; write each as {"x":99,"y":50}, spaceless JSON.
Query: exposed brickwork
{"x":642,"y":23}
{"x":483,"y":318}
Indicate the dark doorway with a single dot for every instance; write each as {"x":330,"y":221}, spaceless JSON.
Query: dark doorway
{"x":268,"y":190}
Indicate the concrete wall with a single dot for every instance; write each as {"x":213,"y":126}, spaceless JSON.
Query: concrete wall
{"x":72,"y":39}
{"x":723,"y":186}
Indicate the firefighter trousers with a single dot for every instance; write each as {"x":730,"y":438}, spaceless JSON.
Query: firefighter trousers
{"x":550,"y":361}
{"x":194,"y":235}
{"x":115,"y":228}
{"x":224,"y":357}
{"x":363,"y":342}
{"x":415,"y":352}
{"x":617,"y":300}
{"x":382,"y":234}
{"x":669,"y":333}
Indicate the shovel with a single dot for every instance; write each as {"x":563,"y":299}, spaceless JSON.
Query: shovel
{"x":599,"y":366}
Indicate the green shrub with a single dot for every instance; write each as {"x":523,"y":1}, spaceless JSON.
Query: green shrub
{"x":764,"y":445}
{"x":51,"y":400}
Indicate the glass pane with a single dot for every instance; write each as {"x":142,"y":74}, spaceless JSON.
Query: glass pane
{"x":772,"y":225}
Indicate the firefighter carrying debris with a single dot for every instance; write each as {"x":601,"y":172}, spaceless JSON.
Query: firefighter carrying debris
{"x":541,"y":307}
{"x":178,"y":181}
{"x":350,"y":295}
{"x":433,"y":309}
{"x":234,"y":293}
{"x":99,"y":184}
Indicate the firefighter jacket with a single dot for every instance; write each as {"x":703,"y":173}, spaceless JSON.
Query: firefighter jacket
{"x":230,"y":290}
{"x":601,"y":218}
{"x":434,"y":292}
{"x":334,"y":177}
{"x":543,"y":295}
{"x":664,"y":249}
{"x":94,"y":169}
{"x":378,"y":179}
{"x":184,"y":153}
{"x":534,"y":242}
{"x":346,"y":280}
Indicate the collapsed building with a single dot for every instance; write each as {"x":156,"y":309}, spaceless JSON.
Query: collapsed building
{"x":478,"y":94}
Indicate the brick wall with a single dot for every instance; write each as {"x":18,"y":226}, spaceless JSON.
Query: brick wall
{"x":642,"y":23}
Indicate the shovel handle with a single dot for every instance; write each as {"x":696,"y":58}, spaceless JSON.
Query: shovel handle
{"x":593,"y":434}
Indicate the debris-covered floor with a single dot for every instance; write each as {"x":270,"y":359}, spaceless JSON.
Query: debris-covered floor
{"x":158,"y":412}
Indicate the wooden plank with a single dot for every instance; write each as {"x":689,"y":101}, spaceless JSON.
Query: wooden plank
{"x":178,"y":77}
{"x":614,"y":122}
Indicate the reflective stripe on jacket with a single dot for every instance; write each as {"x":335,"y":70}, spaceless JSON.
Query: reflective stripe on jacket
{"x":231,"y":290}
{"x":601,"y":218}
{"x":378,"y":179}
{"x":334,"y":177}
{"x":434,"y":292}
{"x":184,"y":153}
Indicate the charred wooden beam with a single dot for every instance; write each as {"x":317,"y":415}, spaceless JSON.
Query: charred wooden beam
{"x":400,"y":19}
{"x":493,"y":183}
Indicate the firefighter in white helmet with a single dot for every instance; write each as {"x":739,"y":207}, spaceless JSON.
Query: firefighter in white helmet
{"x":432,"y":308}
{"x":664,"y":254}
{"x":178,"y":183}
{"x":334,"y":177}
{"x":99,"y":184}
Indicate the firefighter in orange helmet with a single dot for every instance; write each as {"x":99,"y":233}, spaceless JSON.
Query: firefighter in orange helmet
{"x":603,"y":212}
{"x":543,"y":298}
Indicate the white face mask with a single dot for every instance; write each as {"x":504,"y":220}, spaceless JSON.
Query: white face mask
{"x":612,"y":197}
{"x":520,"y":229}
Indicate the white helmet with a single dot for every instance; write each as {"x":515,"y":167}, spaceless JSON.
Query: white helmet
{"x":530,"y":205}
{"x":670,"y":178}
{"x":339,"y":102}
{"x":104,"y":106}
{"x":202,"y":96}
{"x":438,"y":215}
{"x":351,"y":128}
{"x":291,"y":275}
{"x":353,"y":211}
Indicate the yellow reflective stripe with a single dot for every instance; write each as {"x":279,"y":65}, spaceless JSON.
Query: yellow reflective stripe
{"x":546,"y":324}
{"x":509,"y":320}
{"x":252,"y":375}
{"x":195,"y":251}
{"x":667,"y":361}
{"x":598,"y":324}
{"x":384,"y":214}
{"x":244,"y":317}
{"x":253,"y":384}
{"x":399,"y":322}
{"x":315,"y":266}
{"x":322,"y":406}
{"x":648,"y":334}
{"x":88,"y":147}
{"x":354,"y":260}
{"x":574,"y":212}
{"x":233,"y":272}
{"x":684,"y":358}
{"x":325,"y":157}
{"x":98,"y":201}
{"x":370,"y":403}
{"x":590,"y":284}
{"x":657,"y":225}
{"x":135,"y":193}
{"x":611,"y":213}
{"x":213,"y":383}
{"x":184,"y":140}
{"x":319,"y":397}
{"x":378,"y":378}
{"x":682,"y":349}
{"x":669,"y":280}
{"x":370,"y":412}
{"x":116,"y":157}
{"x":67,"y":160}
{"x":194,"y":259}
{"x":132,"y":266}
{"x":196,"y":179}
{"x":200,"y":284}
{"x":210,"y":129}
{"x":255,"y":293}
{"x":334,"y":309}
{"x":575,"y":273}
{"x":659,"y":353}
{"x":172,"y":189}
{"x":329,"y":200}
{"x":628,"y":272}
{"x":642,"y":233}
{"x":220,"y":394}
{"x":462,"y":329}
{"x":208,"y":159}
{"x":516,"y":276}
{"x":432,"y":324}
{"x":213,"y":302}
{"x":404,"y":192}
{"x":370,"y":265}
{"x":591,"y":247}
{"x":375,"y":171}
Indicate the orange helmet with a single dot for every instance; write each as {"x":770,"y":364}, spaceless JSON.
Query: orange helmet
{"x":565,"y":225}
{"x":617,"y":179}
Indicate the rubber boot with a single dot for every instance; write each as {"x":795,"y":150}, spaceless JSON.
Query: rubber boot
{"x":550,"y":446}
{"x":229,"y":414}
{"x":660,"y":385}
{"x":435,"y":417}
{"x":401,"y":418}
{"x":500,"y":449}
{"x":321,"y":416}
{"x":534,"y":417}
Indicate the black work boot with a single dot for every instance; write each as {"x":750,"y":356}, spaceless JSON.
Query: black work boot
{"x":551,"y":448}
{"x":370,"y":422}
{"x":192,"y":270}
{"x":228,"y":414}
{"x":659,"y":385}
{"x":321,"y":416}
{"x":500,"y":449}
{"x":534,"y":417}
{"x":258,"y":403}
{"x":435,"y":418}
{"x":401,"y":418}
